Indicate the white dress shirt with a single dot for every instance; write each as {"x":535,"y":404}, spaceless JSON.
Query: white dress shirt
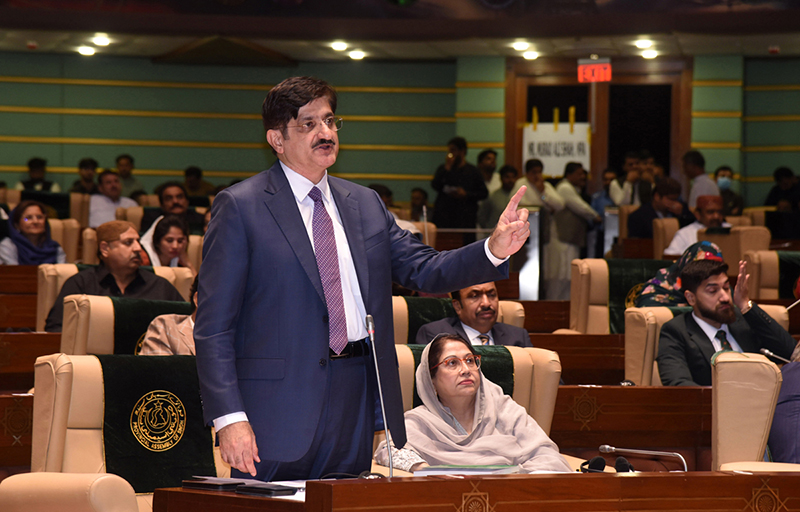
{"x":102,"y":209}
{"x":711,"y":332}
{"x":702,"y":185}
{"x":472,"y":335}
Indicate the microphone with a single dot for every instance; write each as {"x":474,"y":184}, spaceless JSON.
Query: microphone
{"x":793,"y":304}
{"x":648,"y":453}
{"x":596,"y":465}
{"x":425,"y":221}
{"x":371,"y":332}
{"x":773,"y":355}
{"x":622,"y":465}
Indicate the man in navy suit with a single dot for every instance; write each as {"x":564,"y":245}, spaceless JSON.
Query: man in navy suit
{"x":718,"y":321}
{"x":293,"y":262}
{"x":476,"y":320}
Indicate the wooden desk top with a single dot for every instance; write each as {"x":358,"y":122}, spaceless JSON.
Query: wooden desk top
{"x":562,"y":492}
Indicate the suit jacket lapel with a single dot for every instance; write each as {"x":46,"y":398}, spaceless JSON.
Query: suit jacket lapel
{"x":743,"y":335}
{"x":699,"y":338}
{"x":456,"y":323}
{"x":281,"y":203}
{"x":351,"y":220}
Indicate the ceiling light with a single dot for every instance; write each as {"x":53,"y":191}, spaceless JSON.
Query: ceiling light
{"x":643,"y":44}
{"x":530,"y":55}
{"x":101,"y":40}
{"x":649,"y":54}
{"x":357,"y":55}
{"x":339,"y":46}
{"x":86,"y":50}
{"x":520,"y":46}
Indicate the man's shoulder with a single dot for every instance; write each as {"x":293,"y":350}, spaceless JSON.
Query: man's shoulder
{"x":510,"y":329}
{"x":441,"y":326}
{"x":679,"y":323}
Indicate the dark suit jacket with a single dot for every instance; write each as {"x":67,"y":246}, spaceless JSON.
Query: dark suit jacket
{"x":262,"y":325}
{"x":503,"y":334}
{"x":640,"y":222}
{"x":684,"y":350}
{"x":784,"y":436}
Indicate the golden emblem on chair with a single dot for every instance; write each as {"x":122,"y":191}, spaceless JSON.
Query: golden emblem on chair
{"x":158,"y":420}
{"x":630,"y":299}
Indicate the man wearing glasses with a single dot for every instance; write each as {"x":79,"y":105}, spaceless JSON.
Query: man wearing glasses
{"x":293,"y":262}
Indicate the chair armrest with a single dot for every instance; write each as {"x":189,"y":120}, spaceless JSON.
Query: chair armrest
{"x":67,"y":492}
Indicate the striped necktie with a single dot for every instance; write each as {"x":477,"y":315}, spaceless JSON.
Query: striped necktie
{"x":484,"y":339}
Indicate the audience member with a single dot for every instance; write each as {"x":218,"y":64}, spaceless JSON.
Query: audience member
{"x":599,"y":200}
{"x":476,"y":320}
{"x":173,"y":199}
{"x":487,"y":164}
{"x":491,"y":208}
{"x":716,"y":322}
{"x":665,"y":288}
{"x":28,"y":241}
{"x":125,"y":171}
{"x":785,"y":195}
{"x":466,"y":419}
{"x":627,"y":189}
{"x":694,"y":168}
{"x":386,"y":195}
{"x":784,"y":436}
{"x":539,"y":192}
{"x":569,"y":236}
{"x":460,"y":186}
{"x":103,"y":206}
{"x":666,"y":203}
{"x":167,"y":245}
{"x":195,"y":184}
{"x":172,"y":335}
{"x":118,"y":274}
{"x":658,"y":172}
{"x":709,"y":215}
{"x":419,"y":203}
{"x":732,"y":203}
{"x":87,"y":168}
{"x":37,"y":168}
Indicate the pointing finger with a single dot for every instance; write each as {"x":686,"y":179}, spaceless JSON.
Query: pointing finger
{"x":514,"y":202}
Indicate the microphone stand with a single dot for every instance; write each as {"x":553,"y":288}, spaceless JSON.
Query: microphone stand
{"x":371,"y":332}
{"x":425,"y":222}
{"x":649,"y":453}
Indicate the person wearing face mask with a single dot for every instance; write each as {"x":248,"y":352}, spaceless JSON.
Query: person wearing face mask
{"x":732,"y":203}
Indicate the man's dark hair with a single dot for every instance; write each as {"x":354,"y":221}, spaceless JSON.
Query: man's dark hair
{"x":88,"y":163}
{"x":456,"y":295}
{"x":193,"y":172}
{"x":508,"y":169}
{"x":107,"y":172}
{"x":533,"y":162}
{"x":164,"y":186}
{"x":163,"y":227}
{"x":483,"y":154}
{"x":722,"y":168}
{"x":667,"y":186}
{"x":36,"y":163}
{"x":421,"y":190}
{"x":285,"y":99}
{"x":695,"y":158}
{"x":571,"y":167}
{"x":192,"y":291}
{"x":120,"y":157}
{"x":459,"y":142}
{"x":782,"y":173}
{"x":698,"y":271}
{"x":437,"y":346}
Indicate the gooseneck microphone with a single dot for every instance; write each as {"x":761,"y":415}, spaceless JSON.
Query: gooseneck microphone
{"x":647,"y":453}
{"x":371,"y":332}
{"x":773,"y":355}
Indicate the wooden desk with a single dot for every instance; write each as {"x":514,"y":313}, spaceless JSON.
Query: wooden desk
{"x":587,"y":358}
{"x":16,"y":420}
{"x":553,"y":493}
{"x":546,"y":316}
{"x":18,"y":288}
{"x":18,"y":353}
{"x":637,"y":248}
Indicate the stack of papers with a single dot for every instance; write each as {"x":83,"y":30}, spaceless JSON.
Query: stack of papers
{"x":467,"y":470}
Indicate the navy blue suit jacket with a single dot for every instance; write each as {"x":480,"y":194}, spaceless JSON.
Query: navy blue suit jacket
{"x":503,"y":334}
{"x":262,"y":333}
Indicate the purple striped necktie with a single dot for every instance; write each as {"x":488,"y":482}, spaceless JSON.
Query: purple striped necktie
{"x":328,"y":265}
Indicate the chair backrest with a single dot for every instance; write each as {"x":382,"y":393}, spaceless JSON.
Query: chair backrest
{"x":757,"y":214}
{"x":765,"y":278}
{"x":509,"y":312}
{"x":132,"y":214}
{"x":428,"y":230}
{"x":537,"y":373}
{"x":663,"y":232}
{"x":10,"y":197}
{"x":195,"y":251}
{"x":739,"y":220}
{"x":624,"y":211}
{"x":79,"y":205}
{"x":89,"y":251}
{"x":66,"y":232}
{"x":740,"y":240}
{"x":588,"y":305}
{"x":744,"y":394}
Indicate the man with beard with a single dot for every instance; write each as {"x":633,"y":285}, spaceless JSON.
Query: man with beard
{"x":476,"y":309}
{"x":174,"y":200}
{"x":717,"y":322}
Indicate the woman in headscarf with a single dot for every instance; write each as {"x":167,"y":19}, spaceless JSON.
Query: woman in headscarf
{"x":466,"y":419}
{"x":665,"y":288}
{"x":28,"y":241}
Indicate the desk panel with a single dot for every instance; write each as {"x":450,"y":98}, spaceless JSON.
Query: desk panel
{"x":18,"y":279}
{"x":16,"y":420}
{"x":587,"y":358}
{"x":18,"y":353}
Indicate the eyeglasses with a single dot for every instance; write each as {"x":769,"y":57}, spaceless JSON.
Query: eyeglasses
{"x":453,"y":364}
{"x":332,"y":123}
{"x":31,"y":218}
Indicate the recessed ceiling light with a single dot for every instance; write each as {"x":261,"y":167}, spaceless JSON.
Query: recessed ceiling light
{"x":101,"y":40}
{"x":530,"y":55}
{"x":357,"y":55}
{"x":520,"y":46}
{"x":643,"y":44}
{"x":649,"y":54}
{"x":86,"y":50}
{"x":339,"y":46}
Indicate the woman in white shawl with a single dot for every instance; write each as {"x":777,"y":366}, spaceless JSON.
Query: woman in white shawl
{"x":466,"y":419}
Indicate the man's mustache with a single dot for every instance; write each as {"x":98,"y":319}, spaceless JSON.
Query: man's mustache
{"x":324,"y":142}
{"x":486,"y":309}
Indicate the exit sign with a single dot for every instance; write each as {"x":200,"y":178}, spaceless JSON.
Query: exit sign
{"x":594,"y":70}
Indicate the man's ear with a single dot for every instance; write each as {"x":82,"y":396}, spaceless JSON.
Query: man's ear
{"x":457,"y":306}
{"x":104,"y":248}
{"x":275,"y":139}
{"x":691,"y":299}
